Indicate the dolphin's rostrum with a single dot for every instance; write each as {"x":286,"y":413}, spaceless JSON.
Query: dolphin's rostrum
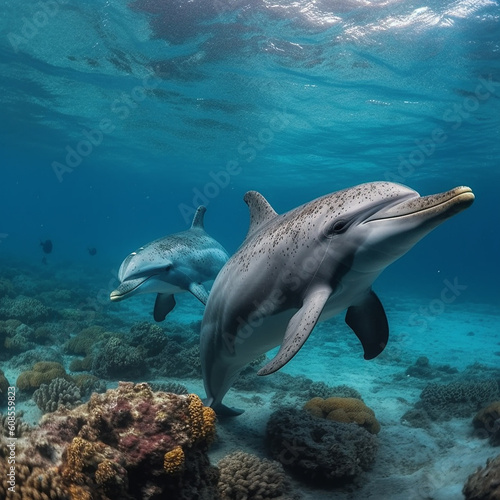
{"x":308,"y":265}
{"x":176,"y":263}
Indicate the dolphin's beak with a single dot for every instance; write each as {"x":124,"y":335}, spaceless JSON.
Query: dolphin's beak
{"x":126,"y":289}
{"x":435,"y":207}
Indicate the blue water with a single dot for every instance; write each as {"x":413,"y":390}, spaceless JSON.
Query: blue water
{"x":119,"y":118}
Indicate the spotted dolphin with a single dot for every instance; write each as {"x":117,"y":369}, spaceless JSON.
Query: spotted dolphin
{"x":308,"y":265}
{"x":177,"y":263}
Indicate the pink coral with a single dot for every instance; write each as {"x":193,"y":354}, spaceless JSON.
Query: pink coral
{"x":128,"y":440}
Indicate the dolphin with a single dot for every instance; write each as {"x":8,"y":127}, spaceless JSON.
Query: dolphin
{"x":176,"y":263}
{"x":308,"y":265}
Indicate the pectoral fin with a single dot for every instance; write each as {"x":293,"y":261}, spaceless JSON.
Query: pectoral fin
{"x":368,"y":321}
{"x":164,"y":303}
{"x":199,"y":291}
{"x":298,"y":330}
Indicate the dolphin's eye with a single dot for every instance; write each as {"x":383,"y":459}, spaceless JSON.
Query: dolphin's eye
{"x":168,"y":267}
{"x":336,"y":228}
{"x":339,"y":226}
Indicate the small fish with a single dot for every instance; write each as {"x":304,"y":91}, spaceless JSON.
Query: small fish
{"x":92,"y":250}
{"x":46,"y":246}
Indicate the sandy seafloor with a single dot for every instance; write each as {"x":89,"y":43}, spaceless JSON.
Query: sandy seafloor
{"x":411,"y":463}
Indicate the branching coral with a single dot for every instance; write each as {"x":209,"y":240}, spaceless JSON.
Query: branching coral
{"x":344,"y":410}
{"x":245,"y":476}
{"x":58,"y":393}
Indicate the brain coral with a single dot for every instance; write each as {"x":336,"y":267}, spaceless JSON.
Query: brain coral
{"x":319,"y":450}
{"x":484,"y":484}
{"x":127,"y":444}
{"x":344,"y":410}
{"x":245,"y":476}
{"x":42,"y":372}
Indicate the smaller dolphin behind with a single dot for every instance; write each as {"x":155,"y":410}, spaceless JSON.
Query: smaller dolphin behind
{"x":173,"y":264}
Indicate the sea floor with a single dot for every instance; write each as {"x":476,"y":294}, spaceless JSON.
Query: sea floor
{"x":411,"y":463}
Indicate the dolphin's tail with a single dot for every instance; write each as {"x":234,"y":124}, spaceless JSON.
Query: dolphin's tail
{"x":222,"y":410}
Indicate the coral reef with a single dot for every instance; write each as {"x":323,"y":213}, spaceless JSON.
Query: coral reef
{"x":129,"y":443}
{"x":344,"y":410}
{"x":488,"y":421}
{"x":87,"y":384}
{"x":81,"y":365}
{"x":27,"y":359}
{"x":116,"y":359}
{"x":149,"y":336}
{"x":83,"y":342}
{"x":484,"y":484}
{"x":25,"y":309}
{"x":42,"y":372}
{"x":60,"y":392}
{"x":319,"y":450}
{"x":459,"y":399}
{"x":246,"y":476}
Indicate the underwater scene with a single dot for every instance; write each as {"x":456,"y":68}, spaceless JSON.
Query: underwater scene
{"x":249,"y":250}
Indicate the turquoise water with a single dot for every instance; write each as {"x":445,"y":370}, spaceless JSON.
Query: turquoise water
{"x":120,"y":118}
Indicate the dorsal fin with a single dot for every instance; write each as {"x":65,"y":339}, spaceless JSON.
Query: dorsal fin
{"x":261,"y":212}
{"x":198,"y":217}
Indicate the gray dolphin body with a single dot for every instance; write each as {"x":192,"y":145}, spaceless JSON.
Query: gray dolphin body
{"x":177,"y":263}
{"x":308,"y":265}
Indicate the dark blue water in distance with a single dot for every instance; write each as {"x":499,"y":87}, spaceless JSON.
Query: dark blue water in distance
{"x":119,"y":118}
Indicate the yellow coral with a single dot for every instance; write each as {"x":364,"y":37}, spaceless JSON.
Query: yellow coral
{"x":42,"y":372}
{"x":345,"y":410}
{"x":105,"y":472}
{"x":202,"y":419}
{"x":174,"y":460}
{"x":77,"y":452}
{"x":79,"y":493}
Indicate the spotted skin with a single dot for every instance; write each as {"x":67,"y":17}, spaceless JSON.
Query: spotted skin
{"x":307,"y":265}
{"x":173,"y":264}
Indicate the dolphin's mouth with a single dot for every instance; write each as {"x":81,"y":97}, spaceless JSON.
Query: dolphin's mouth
{"x":126,"y":288}
{"x":435,"y":205}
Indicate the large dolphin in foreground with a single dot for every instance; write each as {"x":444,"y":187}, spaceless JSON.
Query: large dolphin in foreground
{"x":176,"y":263}
{"x":308,"y":265}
